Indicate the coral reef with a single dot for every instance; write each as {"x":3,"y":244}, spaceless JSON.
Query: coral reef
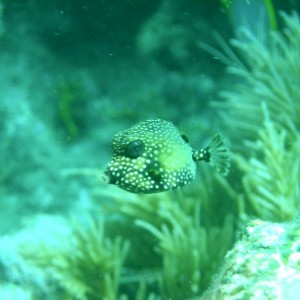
{"x":122,"y":246}
{"x":174,"y":245}
{"x":268,"y":72}
{"x":268,"y":134}
{"x":263,"y":264}
{"x":185,"y":240}
{"x":81,"y":261}
{"x":271,"y":179}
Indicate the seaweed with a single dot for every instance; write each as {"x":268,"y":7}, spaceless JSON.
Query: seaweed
{"x":84,"y":263}
{"x":177,"y":236}
{"x":264,"y":106}
{"x":172,"y":244}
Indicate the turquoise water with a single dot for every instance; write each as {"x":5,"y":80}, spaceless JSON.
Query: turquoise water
{"x":75,"y":73}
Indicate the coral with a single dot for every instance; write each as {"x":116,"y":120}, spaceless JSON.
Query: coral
{"x":187,"y":250}
{"x":264,"y":106}
{"x":271,"y":179}
{"x":185,"y":239}
{"x":80,"y":260}
{"x":269,"y":73}
{"x":264,"y":264}
{"x":168,"y":245}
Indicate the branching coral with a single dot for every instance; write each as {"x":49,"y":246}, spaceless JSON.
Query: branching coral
{"x":168,"y":228}
{"x":265,"y":108}
{"x":86,"y":264}
{"x":271,"y":179}
{"x":178,"y":239}
{"x":189,"y":257}
{"x":186,"y":233}
{"x":270,"y":72}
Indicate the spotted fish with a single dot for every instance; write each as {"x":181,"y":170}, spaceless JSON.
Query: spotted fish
{"x":153,"y":156}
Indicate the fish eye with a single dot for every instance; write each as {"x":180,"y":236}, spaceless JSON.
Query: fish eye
{"x":185,"y":138}
{"x":135,"y":149}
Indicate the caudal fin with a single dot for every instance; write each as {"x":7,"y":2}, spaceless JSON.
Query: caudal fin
{"x":216,"y":154}
{"x":219,"y":154}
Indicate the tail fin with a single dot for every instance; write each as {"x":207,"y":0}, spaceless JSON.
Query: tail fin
{"x":216,"y":154}
{"x":219,"y":154}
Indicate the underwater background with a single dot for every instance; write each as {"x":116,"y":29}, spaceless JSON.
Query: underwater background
{"x":75,"y":73}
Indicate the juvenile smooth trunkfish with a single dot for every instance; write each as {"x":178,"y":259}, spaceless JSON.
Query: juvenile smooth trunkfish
{"x":153,"y":156}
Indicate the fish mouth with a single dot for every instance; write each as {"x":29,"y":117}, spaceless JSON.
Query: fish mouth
{"x":108,"y":178}
{"x":105,"y":178}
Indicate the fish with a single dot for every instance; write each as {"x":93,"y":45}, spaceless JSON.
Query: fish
{"x":153,"y":156}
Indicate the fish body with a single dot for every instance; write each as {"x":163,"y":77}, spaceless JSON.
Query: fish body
{"x":153,"y":156}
